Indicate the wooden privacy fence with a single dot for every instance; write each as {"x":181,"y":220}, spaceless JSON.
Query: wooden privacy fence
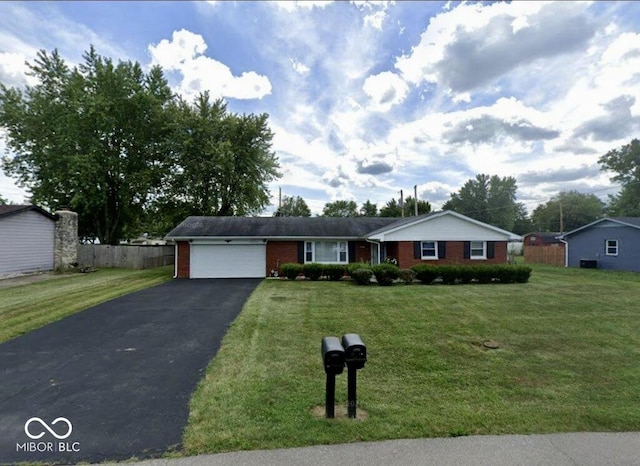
{"x":552,"y":255}
{"x":129,"y":257}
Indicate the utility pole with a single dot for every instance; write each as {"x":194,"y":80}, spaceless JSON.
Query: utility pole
{"x":415,"y":198}
{"x":402,"y":203}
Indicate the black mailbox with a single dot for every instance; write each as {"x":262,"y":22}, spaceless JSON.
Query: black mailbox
{"x":355,"y":350}
{"x":332,"y":355}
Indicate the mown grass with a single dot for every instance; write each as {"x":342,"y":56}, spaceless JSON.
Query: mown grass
{"x":568,"y":361}
{"x":27,"y":307}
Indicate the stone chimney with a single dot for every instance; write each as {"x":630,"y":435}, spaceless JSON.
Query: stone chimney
{"x":65,"y":253}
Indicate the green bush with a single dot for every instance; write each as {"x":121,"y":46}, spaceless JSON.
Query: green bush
{"x":448,"y":274}
{"x":425,"y":273}
{"x":385,"y":274}
{"x":312,"y":270}
{"x":407,"y":276}
{"x":466,"y":273}
{"x":484,"y":273}
{"x":488,"y":273}
{"x":362,"y":276}
{"x":291,"y":270}
{"x":357,"y":266}
{"x":333,"y":272}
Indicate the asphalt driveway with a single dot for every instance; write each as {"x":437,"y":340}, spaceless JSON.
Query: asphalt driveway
{"x":121,"y":373}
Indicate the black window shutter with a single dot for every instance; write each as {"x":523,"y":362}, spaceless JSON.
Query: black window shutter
{"x":300,"y":252}
{"x":467,"y":249}
{"x":442,"y":249}
{"x":352,"y":251}
{"x":417,"y":249}
{"x":491,"y":249}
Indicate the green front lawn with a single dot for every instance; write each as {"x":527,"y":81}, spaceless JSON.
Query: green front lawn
{"x":27,"y":307}
{"x":568,"y":361}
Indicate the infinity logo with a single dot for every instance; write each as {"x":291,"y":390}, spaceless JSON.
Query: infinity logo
{"x":51,"y":431}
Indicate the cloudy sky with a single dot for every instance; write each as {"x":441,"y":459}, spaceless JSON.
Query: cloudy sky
{"x":368,"y":98}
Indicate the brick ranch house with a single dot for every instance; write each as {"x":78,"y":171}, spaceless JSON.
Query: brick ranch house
{"x":235,"y":247}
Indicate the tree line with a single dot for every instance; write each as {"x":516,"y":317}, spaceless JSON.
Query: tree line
{"x":492,"y":199}
{"x":113,"y":143}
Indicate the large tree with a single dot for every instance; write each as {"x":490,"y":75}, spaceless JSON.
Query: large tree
{"x":393,"y":208}
{"x":625,"y":163}
{"x":340,"y":208}
{"x":489,"y":199}
{"x":368,"y":209}
{"x":220,"y":163}
{"x":93,"y":138}
{"x":567,"y":211}
{"x":293,"y":206}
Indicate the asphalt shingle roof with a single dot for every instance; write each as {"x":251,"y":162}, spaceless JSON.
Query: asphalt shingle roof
{"x":6,"y":210}
{"x":271,"y":227}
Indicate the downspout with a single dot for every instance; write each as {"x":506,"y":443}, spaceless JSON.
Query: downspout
{"x":566,"y":252}
{"x":175,"y":259}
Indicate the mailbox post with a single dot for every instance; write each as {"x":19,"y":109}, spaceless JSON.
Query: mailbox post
{"x":333,"y":357}
{"x":355,"y":357}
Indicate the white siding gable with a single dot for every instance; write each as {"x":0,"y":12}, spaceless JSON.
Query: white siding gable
{"x":26,"y":242}
{"x":446,"y":227}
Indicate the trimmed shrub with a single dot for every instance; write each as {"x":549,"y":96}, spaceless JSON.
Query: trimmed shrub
{"x":312,"y":270}
{"x":407,"y":276}
{"x":448,"y":274}
{"x":484,"y":273}
{"x":333,"y":272}
{"x":385,"y":274}
{"x":362,"y":276}
{"x":425,"y":273}
{"x":466,"y":273}
{"x":291,"y":270}
{"x":356,"y":266}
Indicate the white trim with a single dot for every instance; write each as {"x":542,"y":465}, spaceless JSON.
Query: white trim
{"x":483,"y":257}
{"x":606,"y":247}
{"x":429,"y":258}
{"x":267,"y":238}
{"x":338,"y":252}
{"x":380,"y":233}
{"x":600,"y":220}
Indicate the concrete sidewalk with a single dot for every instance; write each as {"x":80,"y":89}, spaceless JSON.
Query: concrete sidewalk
{"x":597,"y":449}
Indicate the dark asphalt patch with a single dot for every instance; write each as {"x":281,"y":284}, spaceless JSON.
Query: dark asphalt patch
{"x":121,"y":373}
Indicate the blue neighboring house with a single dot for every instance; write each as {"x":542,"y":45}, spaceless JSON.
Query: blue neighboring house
{"x":611,"y":243}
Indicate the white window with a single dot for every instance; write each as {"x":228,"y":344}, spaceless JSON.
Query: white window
{"x":478,"y":250}
{"x":611,"y":247}
{"x":308,"y":252}
{"x":429,"y":250}
{"x":326,"y":252}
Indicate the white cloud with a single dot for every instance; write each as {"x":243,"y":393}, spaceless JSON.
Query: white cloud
{"x":13,"y":70}
{"x":293,"y":5}
{"x":386,"y":89}
{"x":299,"y":67}
{"x":185,"y":54}
{"x":473,"y":45}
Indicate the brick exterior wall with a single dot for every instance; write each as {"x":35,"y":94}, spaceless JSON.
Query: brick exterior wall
{"x":184,"y":259}
{"x":454,"y":255}
{"x":363,"y":252}
{"x":282,"y":252}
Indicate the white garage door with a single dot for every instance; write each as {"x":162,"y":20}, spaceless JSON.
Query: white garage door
{"x":228,"y":260}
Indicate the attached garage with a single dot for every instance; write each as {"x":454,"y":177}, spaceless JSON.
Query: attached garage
{"x":228,"y":260}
